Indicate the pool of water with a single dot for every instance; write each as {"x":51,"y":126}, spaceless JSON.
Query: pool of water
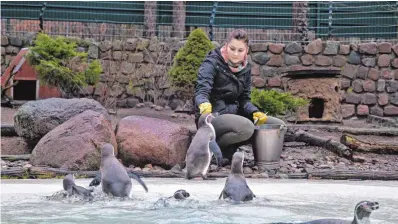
{"x":36,"y":201}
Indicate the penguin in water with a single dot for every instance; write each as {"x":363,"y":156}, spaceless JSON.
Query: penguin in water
{"x":114,"y":177}
{"x":201,"y":149}
{"x":72,"y":189}
{"x":362,"y":212}
{"x":97,"y":179}
{"x":181,"y":194}
{"x":236,"y":187}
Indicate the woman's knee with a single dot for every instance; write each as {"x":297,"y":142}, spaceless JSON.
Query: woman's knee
{"x":247,"y":129}
{"x":233,"y":126}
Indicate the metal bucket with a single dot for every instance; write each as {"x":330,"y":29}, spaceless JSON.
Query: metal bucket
{"x":267,"y":145}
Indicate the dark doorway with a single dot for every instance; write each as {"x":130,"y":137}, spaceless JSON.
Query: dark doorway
{"x":25,"y":90}
{"x":315,"y":110}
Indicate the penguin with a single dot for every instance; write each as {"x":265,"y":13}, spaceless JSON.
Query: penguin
{"x":114,"y":177}
{"x":201,"y":149}
{"x":97,"y":179}
{"x":236,"y":187}
{"x":181,"y":195}
{"x":72,"y":189}
{"x":362,"y":212}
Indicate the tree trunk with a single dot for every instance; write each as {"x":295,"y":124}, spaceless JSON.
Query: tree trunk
{"x":150,"y":18}
{"x":362,"y":146}
{"x":346,"y":175}
{"x":337,"y":147}
{"x":300,"y":22}
{"x":178,"y":19}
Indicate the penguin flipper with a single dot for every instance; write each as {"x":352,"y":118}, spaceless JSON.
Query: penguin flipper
{"x":217,"y":152}
{"x":97,"y":179}
{"x":221,"y":194}
{"x":138,"y":179}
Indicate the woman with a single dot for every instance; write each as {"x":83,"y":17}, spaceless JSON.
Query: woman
{"x":224,"y":86}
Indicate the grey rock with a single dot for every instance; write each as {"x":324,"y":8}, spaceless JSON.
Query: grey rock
{"x":131,"y":103}
{"x":362,"y":72}
{"x":291,"y":60}
{"x":376,"y":110}
{"x":381,"y":85}
{"x":34,"y":119}
{"x":369,"y":99}
{"x":93,"y":51}
{"x":293,"y":48}
{"x":332,"y":47}
{"x":4,"y":40}
{"x":369,"y":62}
{"x":353,"y":98}
{"x":260,"y":58}
{"x":354,"y":58}
{"x":16,"y":41}
{"x":391,"y":86}
{"x":357,"y":86}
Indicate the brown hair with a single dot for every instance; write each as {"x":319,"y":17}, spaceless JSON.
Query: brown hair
{"x":239,"y":35}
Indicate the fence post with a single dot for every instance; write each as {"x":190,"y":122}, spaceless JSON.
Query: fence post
{"x":213,"y":15}
{"x":41,"y":24}
{"x":330,"y":19}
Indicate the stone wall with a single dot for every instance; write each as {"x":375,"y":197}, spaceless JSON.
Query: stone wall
{"x":369,"y":71}
{"x":135,"y":70}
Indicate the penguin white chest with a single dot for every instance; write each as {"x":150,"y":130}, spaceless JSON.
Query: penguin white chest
{"x":210,"y":154}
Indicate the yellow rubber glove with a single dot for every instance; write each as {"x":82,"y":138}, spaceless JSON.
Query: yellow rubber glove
{"x":205,"y":108}
{"x":259,"y":117}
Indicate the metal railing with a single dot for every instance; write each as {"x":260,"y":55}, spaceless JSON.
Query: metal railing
{"x":264,"y":21}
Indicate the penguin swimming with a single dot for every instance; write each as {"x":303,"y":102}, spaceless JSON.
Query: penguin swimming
{"x":362,"y":212}
{"x":72,"y":189}
{"x":181,"y":194}
{"x":114,"y":177}
{"x":97,"y":179}
{"x":201,"y":149}
{"x":236,"y":187}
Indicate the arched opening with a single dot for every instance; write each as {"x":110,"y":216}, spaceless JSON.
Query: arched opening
{"x":315,"y":110}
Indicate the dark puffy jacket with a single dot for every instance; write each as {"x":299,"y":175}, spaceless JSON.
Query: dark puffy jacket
{"x":228,"y":93}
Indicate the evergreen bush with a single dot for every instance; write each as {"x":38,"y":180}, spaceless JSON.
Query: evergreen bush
{"x":183,"y":73}
{"x":276,"y":103}
{"x":59,"y":64}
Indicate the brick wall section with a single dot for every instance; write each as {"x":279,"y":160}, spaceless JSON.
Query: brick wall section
{"x":369,"y":71}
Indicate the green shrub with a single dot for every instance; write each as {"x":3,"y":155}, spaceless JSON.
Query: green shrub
{"x":276,"y":103}
{"x":59,"y":64}
{"x":183,"y":73}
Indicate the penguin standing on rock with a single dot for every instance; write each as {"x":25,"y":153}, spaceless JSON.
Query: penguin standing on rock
{"x":201,"y":149}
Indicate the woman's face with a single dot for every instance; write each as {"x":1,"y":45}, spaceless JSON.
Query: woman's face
{"x":236,"y":50}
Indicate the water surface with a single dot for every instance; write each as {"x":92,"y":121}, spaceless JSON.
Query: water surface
{"x":28,"y":201}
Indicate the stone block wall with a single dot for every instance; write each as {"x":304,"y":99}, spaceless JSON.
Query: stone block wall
{"x":135,"y":70}
{"x":369,"y":71}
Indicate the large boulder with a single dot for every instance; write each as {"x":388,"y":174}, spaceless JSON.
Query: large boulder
{"x":75,"y":144}
{"x":142,"y":140}
{"x":14,"y":146}
{"x":34,"y":119}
